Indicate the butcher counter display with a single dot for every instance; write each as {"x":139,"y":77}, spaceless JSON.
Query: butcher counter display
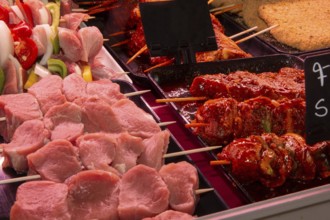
{"x":93,"y":127}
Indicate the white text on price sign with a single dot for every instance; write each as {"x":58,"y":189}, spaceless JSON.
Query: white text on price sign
{"x":317,"y":77}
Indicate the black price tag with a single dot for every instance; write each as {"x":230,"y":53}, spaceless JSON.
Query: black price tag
{"x":317,"y":79}
{"x":171,"y":27}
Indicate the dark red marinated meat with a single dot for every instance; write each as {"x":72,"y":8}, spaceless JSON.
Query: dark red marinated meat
{"x":225,"y":119}
{"x":271,"y":159}
{"x":242,"y":85}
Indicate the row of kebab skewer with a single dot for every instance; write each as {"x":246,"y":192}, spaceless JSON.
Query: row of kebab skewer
{"x":259,"y":118}
{"x":97,"y":153}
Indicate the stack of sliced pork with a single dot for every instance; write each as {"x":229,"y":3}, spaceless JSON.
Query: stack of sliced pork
{"x":99,"y":155}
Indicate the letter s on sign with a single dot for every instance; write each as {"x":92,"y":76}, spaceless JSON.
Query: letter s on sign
{"x":322,"y":108}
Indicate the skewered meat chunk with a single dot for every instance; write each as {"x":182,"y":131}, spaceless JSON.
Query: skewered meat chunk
{"x":74,"y":86}
{"x":70,"y":44}
{"x":17,"y":108}
{"x":93,"y":194}
{"x":41,"y":200}
{"x":91,"y":40}
{"x":48,"y":92}
{"x":182,"y":180}
{"x":171,"y":215}
{"x":226,"y":119}
{"x":64,"y":121}
{"x":154,"y":149}
{"x":242,"y":85}
{"x":28,"y":137}
{"x":96,"y":150}
{"x":272,"y":159}
{"x":56,"y":161}
{"x":136,"y":201}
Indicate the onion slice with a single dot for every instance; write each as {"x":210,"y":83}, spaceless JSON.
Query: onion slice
{"x":49,"y":48}
{"x":19,"y":73}
{"x":41,"y":71}
{"x":6,"y":44}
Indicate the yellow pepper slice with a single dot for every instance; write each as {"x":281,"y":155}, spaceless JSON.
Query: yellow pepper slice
{"x":32,"y":79}
{"x":87,"y":73}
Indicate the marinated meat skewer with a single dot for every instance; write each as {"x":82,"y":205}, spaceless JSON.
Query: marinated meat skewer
{"x":241,"y":85}
{"x":222,"y":120}
{"x":272,"y":159}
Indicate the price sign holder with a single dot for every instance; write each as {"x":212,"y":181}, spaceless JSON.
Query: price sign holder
{"x":178,"y":28}
{"x":317,"y":81}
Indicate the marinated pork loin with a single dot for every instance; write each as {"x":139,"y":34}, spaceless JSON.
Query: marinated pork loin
{"x":171,"y":215}
{"x":64,"y":121}
{"x":56,"y":161}
{"x":74,"y":86}
{"x":133,"y":119}
{"x":97,"y":150}
{"x":28,"y":137}
{"x":73,"y":20}
{"x":129,"y":149}
{"x":182,"y":180}
{"x":105,"y":90}
{"x":97,"y":116}
{"x":155,"y":148}
{"x":17,"y":108}
{"x":70,"y":44}
{"x":41,"y":200}
{"x":142,"y":193}
{"x":93,"y":194}
{"x":92,"y":41}
{"x":48,"y":92}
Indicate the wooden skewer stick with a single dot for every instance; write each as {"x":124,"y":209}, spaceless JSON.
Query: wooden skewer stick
{"x":20,"y":179}
{"x":2,"y":119}
{"x":121,"y":33}
{"x":219,"y":162}
{"x":200,"y":191}
{"x":162,"y":124}
{"x":243,"y":32}
{"x":86,"y":19}
{"x":221,"y":8}
{"x":255,"y":34}
{"x":196,"y":124}
{"x":210,"y":1}
{"x":168,"y":62}
{"x":228,"y":9}
{"x":79,"y":10}
{"x":185,"y":152}
{"x":184,"y":99}
{"x":136,"y":93}
{"x":144,"y":48}
{"x":121,"y":43}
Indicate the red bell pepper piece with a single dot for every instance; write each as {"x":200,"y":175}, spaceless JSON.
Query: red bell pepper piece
{"x":26,"y":51}
{"x":20,"y":30}
{"x":4,"y":14}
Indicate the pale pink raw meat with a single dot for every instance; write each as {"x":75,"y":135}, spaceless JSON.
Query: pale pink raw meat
{"x":41,"y":200}
{"x":70,"y":44}
{"x":142,"y":194}
{"x":93,"y":194}
{"x":105,"y":90}
{"x":39,"y":36}
{"x":74,"y":86}
{"x":155,"y":148}
{"x":96,"y":150}
{"x":135,"y":120}
{"x":98,"y":116}
{"x":56,"y":161}
{"x":92,"y":41}
{"x":73,"y":20}
{"x":36,"y":7}
{"x":129,"y":148}
{"x":17,"y":108}
{"x":182,"y":180}
{"x":28,"y":137}
{"x":10,"y":86}
{"x":64,"y":121}
{"x":48,"y":92}
{"x":171,"y":215}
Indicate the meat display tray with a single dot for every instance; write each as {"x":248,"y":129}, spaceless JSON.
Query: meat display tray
{"x":209,"y":202}
{"x":174,"y":81}
{"x":268,"y":38}
{"x":116,"y":20}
